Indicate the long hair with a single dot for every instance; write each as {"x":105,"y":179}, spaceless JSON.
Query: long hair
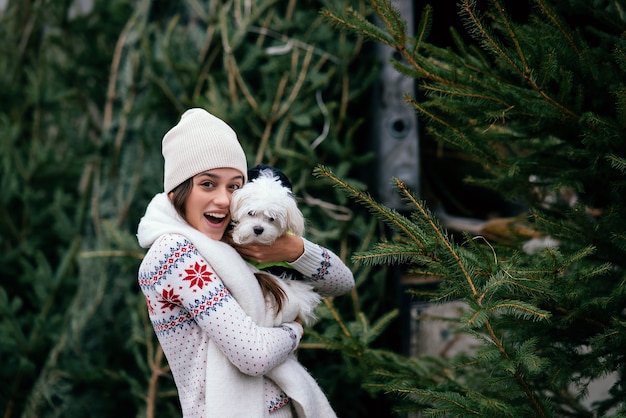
{"x":269,"y":284}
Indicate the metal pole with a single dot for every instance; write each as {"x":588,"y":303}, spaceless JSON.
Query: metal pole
{"x":394,"y":124}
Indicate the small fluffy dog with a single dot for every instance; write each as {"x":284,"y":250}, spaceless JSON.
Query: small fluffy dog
{"x":264,"y":209}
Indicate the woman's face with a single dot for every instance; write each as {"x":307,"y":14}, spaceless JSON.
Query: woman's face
{"x":207,"y":207}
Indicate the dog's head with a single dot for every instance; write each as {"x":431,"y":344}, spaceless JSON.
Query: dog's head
{"x":264,"y":209}
{"x":256,"y":171}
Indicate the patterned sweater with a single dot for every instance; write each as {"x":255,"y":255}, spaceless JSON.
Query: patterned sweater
{"x":189,"y":305}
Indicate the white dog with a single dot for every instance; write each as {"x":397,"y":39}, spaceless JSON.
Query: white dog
{"x":264,"y":209}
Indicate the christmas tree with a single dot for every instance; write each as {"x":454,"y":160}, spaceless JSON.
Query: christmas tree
{"x":88,"y":91}
{"x":537,"y":103}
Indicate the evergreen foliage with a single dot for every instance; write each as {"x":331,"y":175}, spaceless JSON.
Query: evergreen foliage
{"x":537,"y":103}
{"x":87,"y":98}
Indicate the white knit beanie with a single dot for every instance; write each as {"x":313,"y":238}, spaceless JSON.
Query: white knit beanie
{"x":199,"y":142}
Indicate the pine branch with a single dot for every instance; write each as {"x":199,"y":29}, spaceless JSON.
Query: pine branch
{"x":618,"y":163}
{"x":357,"y":23}
{"x":454,"y":135}
{"x":392,"y":20}
{"x":530,"y":107}
{"x":386,"y":253}
{"x":550,"y":13}
{"x":481,"y":316}
{"x":390,"y":216}
{"x":423,"y":28}
{"x":436,"y":229}
{"x":476,"y":26}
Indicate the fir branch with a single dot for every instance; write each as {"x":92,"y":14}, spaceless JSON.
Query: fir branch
{"x":235,"y":78}
{"x":390,"y":216}
{"x":526,"y":357}
{"x":466,"y":93}
{"x":619,"y":53}
{"x":436,"y":229}
{"x":385,"y":253}
{"x":377,"y":328}
{"x":357,"y":23}
{"x":556,"y":226}
{"x":512,"y":35}
{"x":476,"y":26}
{"x":504,"y":280}
{"x":617,"y":162}
{"x":397,"y":26}
{"x":10,"y":314}
{"x":392,"y":20}
{"x":329,"y":304}
{"x":559,"y":25}
{"x":297,"y":86}
{"x":445,"y":402}
{"x":463,"y":142}
{"x":265,"y":31}
{"x":522,"y":307}
{"x":423,"y":28}
{"x":519,"y":309}
{"x":115,"y":64}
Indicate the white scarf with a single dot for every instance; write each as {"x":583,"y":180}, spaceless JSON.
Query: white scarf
{"x":240,"y":395}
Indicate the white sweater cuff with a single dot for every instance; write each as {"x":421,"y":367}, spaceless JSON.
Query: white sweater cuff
{"x":295,"y":331}
{"x":308,"y":263}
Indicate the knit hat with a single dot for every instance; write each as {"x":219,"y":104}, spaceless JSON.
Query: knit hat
{"x":200,"y":142}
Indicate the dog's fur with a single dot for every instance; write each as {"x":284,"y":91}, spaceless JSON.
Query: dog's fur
{"x":263,"y":210}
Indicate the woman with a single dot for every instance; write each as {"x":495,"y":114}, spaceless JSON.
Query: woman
{"x":215,"y":320}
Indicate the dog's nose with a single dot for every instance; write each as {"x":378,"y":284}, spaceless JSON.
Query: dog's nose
{"x":258,"y":230}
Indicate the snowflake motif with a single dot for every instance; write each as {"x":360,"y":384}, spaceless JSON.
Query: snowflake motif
{"x":150,"y":308}
{"x":323,"y":268}
{"x":170,"y":299}
{"x":279,"y":402}
{"x":198,"y":275}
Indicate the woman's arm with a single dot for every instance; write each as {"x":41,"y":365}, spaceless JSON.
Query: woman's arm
{"x":327,"y":272}
{"x":195,"y":292}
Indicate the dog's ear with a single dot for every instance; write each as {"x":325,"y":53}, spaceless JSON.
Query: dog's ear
{"x":295,"y":219}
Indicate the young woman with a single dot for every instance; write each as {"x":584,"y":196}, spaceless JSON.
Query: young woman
{"x":215,"y":320}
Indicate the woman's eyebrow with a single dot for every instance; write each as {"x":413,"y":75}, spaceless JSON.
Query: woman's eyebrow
{"x":216,"y":176}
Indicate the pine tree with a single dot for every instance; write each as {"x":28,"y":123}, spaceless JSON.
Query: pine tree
{"x":537,"y":102}
{"x":86,"y":99}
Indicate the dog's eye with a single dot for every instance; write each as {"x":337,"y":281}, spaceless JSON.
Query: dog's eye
{"x":271,"y":219}
{"x":251,"y":213}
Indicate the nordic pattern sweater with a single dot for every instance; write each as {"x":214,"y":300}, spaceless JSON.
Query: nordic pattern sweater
{"x":189,"y":305}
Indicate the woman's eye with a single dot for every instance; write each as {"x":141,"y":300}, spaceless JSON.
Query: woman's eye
{"x":206,"y":184}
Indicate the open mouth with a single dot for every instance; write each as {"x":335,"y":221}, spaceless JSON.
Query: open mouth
{"x":215,"y":218}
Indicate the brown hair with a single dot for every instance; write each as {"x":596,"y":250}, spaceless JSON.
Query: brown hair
{"x":179,"y":196}
{"x":269,"y":284}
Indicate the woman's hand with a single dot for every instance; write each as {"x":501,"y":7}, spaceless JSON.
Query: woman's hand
{"x":286,"y":248}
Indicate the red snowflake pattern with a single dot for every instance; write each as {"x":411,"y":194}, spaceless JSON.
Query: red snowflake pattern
{"x":170,"y":299}
{"x":150,"y":308}
{"x":198,"y":275}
